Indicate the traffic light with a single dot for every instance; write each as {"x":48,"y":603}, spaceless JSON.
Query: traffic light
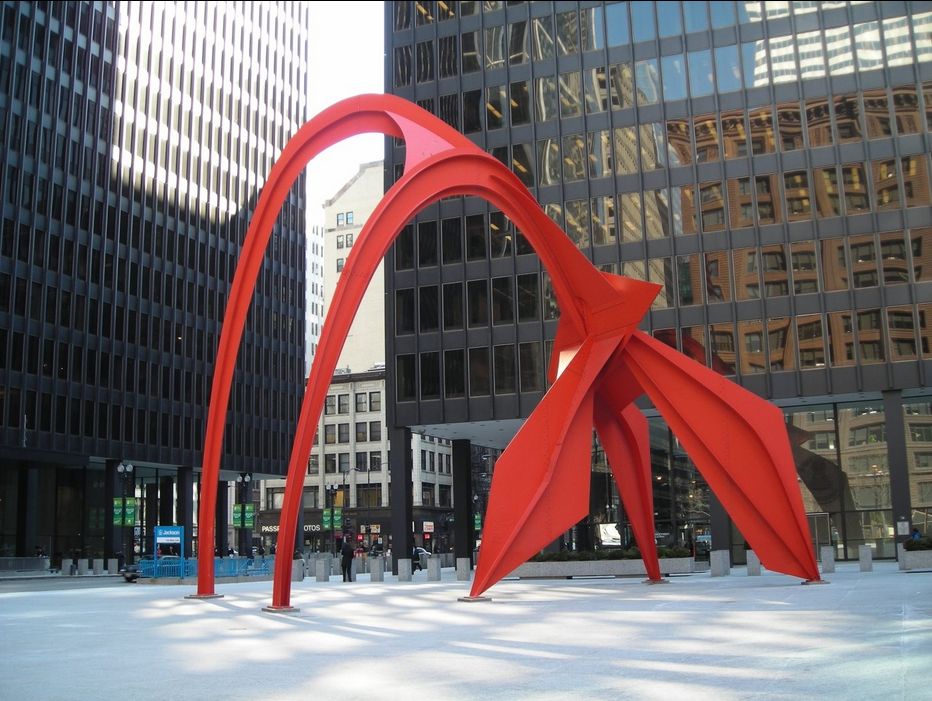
{"x":427,"y":536}
{"x":359,"y":537}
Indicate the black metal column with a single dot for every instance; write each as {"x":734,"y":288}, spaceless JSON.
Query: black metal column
{"x":401,"y":463}
{"x":184,"y":508}
{"x":222,"y":525}
{"x":464,"y":535}
{"x":897,"y":464}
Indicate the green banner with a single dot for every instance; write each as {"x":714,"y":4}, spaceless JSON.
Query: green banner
{"x":477,"y":521}
{"x":326,"y":521}
{"x":117,"y":511}
{"x":337,"y":518}
{"x":129,"y":513}
{"x":249,"y":518}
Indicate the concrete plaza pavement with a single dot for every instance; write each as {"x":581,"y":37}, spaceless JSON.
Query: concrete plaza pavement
{"x":866,"y":635}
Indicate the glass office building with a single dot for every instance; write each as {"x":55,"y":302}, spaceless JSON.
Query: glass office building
{"x":766,"y":163}
{"x":136,"y":137}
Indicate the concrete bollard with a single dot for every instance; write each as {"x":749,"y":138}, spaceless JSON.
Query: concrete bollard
{"x":404,"y":569}
{"x":720,"y":563}
{"x":98,"y":565}
{"x":67,"y":563}
{"x":377,"y":569}
{"x":753,"y":564}
{"x":866,"y":558}
{"x":354,"y":564}
{"x":113,"y":566}
{"x":433,"y":568}
{"x":901,"y":556}
{"x":827,"y":553}
{"x":82,"y":565}
{"x":463,"y":573}
{"x":297,"y":570}
{"x":323,"y":569}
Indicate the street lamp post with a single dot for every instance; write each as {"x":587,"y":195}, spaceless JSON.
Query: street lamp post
{"x":329,"y":503}
{"x":243,"y":479}
{"x":125,"y":470}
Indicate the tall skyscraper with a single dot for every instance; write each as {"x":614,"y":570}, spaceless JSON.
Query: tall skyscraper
{"x":137,"y":137}
{"x":767,"y":164}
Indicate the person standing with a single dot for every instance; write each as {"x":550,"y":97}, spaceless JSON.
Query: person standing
{"x":348,"y":553}
{"x":915,"y":535}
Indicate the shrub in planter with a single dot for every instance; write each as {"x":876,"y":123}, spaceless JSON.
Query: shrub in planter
{"x":921,"y":544}
{"x":608,"y":554}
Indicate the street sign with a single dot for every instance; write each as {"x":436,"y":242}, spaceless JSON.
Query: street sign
{"x":337,"y":518}
{"x":327,"y":520}
{"x":477,"y":521}
{"x":428,"y":526}
{"x":117,"y":511}
{"x":249,"y":517}
{"x":129,"y":512}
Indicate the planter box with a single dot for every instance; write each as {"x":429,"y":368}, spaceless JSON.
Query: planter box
{"x":917,"y":559}
{"x":601,"y":568}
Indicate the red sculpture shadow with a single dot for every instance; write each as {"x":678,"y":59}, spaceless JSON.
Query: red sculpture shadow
{"x":601,"y":363}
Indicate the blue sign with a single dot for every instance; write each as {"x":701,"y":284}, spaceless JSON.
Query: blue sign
{"x":170,"y":535}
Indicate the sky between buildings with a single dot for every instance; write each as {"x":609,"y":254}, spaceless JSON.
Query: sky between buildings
{"x":346,"y":59}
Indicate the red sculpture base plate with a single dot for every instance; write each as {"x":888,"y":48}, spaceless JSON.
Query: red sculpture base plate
{"x":204,"y":596}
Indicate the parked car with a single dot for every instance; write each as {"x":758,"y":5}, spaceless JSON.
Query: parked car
{"x":131,"y":572}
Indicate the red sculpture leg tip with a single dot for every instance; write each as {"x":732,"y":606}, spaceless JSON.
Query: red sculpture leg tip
{"x":656,"y":581}
{"x":473,"y":599}
{"x":204,"y":596}
{"x":815,"y":581}
{"x":280,"y":609}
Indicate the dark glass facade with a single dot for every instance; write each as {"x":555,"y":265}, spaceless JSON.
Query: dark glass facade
{"x":129,"y":174}
{"x":766,"y":163}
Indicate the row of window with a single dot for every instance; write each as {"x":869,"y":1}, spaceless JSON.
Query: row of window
{"x":340,"y":403}
{"x":345,"y":219}
{"x":365,"y":461}
{"x":340,"y":433}
{"x":810,"y":341}
{"x":697,"y":16}
{"x":806,"y":55}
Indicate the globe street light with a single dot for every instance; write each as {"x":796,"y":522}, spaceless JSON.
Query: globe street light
{"x":243,"y":479}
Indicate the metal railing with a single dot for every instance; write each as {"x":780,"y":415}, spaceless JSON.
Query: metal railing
{"x":223,"y":567}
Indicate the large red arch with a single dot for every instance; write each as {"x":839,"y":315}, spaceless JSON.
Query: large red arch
{"x":604,"y":363}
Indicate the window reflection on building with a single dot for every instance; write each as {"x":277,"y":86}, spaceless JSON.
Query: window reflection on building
{"x":626,"y":150}
{"x":855,"y":187}
{"x":917,"y":418}
{"x":826,"y":191}
{"x":718,"y":276}
{"x":819,"y":123}
{"x":921,"y":250}
{"x":707,"y":143}
{"x":722,"y":347}
{"x":893,"y":258}
{"x":679,"y":147}
{"x":740,"y":203}
{"x":916,"y":180}
{"x":847,"y":118}
{"x":660,"y":272}
{"x":747,"y":273}
{"x":763,"y":139}
{"x":685,"y":213}
{"x":775,"y":272}
{"x":796,"y":192}
{"x":790,"y":126}
{"x":603,"y":220}
{"x":811,"y":341}
{"x":877,"y":114}
{"x":840,"y":339}
{"x":870,"y":337}
{"x":712,"y":207}
{"x":631,"y":227}
{"x":767,"y":191}
{"x":734,"y":135}
{"x":901,"y":330}
{"x":751,"y":344}
{"x":689,"y":280}
{"x":925,"y":329}
{"x":886,"y":187}
{"x":656,"y":213}
{"x":803,"y":261}
{"x":863,"y":261}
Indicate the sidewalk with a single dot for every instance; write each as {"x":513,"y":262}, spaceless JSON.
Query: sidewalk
{"x":863,"y":636}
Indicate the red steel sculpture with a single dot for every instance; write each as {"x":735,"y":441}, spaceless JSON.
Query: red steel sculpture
{"x":601,"y":363}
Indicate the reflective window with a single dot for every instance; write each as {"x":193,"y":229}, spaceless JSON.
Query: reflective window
{"x":751,"y":343}
{"x":876,"y":114}
{"x":631,"y":227}
{"x":642,"y":21}
{"x":503,"y":302}
{"x":402,"y":15}
{"x":504,"y":369}
{"x":723,"y":14}
{"x":574,"y":157}
{"x":427,"y":244}
{"x":867,"y":46}
{"x":548,"y":161}
{"x":774,"y":270}
{"x":811,"y":341}
{"x":479,"y":374}
{"x":790,"y":126}
{"x":518,"y":43}
{"x":603,"y":220}
{"x":886,"y":187}
{"x":711,"y":207}
{"x":404,"y":249}
{"x":599,"y":147}
{"x":922,"y":34}
{"x":827,"y":192}
{"x":653,"y":150}
{"x":722,"y":347}
{"x":402,"y":66}
{"x":522,"y":163}
{"x":477,"y":299}
{"x":689,"y":280}
{"x":707,"y":142}
{"x":734,"y":136}
{"x":741,"y":203}
{"x":803,"y":261}
{"x":834,"y":265}
{"x":669,"y":14}
{"x":763,"y":139}
{"x":616,"y":23}
{"x":596,"y":89}
{"x":542,"y":33}
{"x":700,"y":73}
{"x":718,"y":276}
{"x":454,"y":373}
{"x":472,"y":111}
{"x":656,"y":213}
{"x":591,"y":31}
{"x":405,"y":379}
{"x":781,"y":346}
{"x":520,"y":103}
{"x":896,"y":41}
{"x":476,"y":237}
{"x":501,"y":235}
{"x":647,"y":78}
{"x":567,"y":33}
{"x":893,"y":258}
{"x":727,"y":69}
{"x":404,"y":312}
{"x":679,"y":146}
{"x":811,"y":56}
{"x":747,"y":273}
{"x":449,"y":56}
{"x":749,"y":12}
{"x":430,"y":376}
{"x":819,"y":123}
{"x":915,"y":180}
{"x":429,"y":309}
{"x":841,"y":339}
{"x":769,"y":207}
{"x":626,"y":150}
{"x":570,"y":94}
{"x":545,"y":98}
{"x":838,"y":50}
{"x":847,"y":118}
{"x":855,"y":187}
{"x":696,"y":15}
{"x":450,"y":110}
{"x":796,"y":192}
{"x":783,"y":59}
{"x":424,"y":12}
{"x":921,"y":245}
{"x":453,"y":305}
{"x":674,"y":77}
{"x":495,"y":107}
{"x":494,"y":47}
{"x":684,"y":210}
{"x":870,"y":336}
{"x":622,"y":85}
{"x":528,"y":297}
{"x":660,"y":272}
{"x":754,"y":63}
{"x":906,"y":110}
{"x":425,"y":61}
{"x":471,"y":56}
{"x":577,"y":222}
{"x":531,"y":366}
